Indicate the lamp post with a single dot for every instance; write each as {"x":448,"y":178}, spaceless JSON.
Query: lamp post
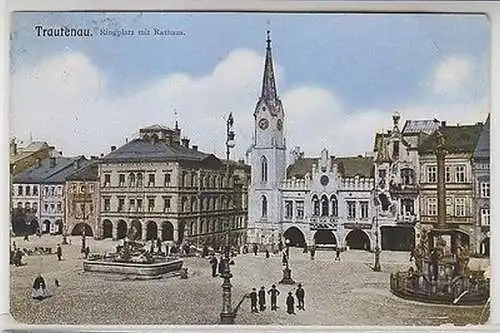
{"x":227,"y":315}
{"x":83,"y":231}
{"x":287,"y":272}
{"x":376,"y":265}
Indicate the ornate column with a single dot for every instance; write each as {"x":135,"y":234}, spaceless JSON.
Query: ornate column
{"x":114,"y":230}
{"x":160,"y":231}
{"x":176,"y":234}
{"x":441,"y":185}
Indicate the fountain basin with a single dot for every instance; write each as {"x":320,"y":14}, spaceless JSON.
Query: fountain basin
{"x":159,"y":267}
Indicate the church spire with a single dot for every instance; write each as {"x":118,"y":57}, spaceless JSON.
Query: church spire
{"x":268,"y":83}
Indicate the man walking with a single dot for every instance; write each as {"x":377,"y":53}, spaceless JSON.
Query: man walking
{"x":337,"y":254}
{"x":262,"y":298}
{"x":313,"y":252}
{"x":300,"y":293}
{"x":290,"y":301}
{"x":213,"y":262}
{"x":59,"y":252}
{"x":253,"y":300}
{"x":255,"y":249}
{"x":274,"y":296}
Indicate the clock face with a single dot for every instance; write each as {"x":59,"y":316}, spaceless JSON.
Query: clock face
{"x":324,"y":180}
{"x":263,"y":123}
{"x":280,"y":124}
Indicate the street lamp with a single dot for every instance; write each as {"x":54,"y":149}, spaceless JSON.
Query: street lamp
{"x":376,"y":265}
{"x":287,"y":272}
{"x":227,"y":315}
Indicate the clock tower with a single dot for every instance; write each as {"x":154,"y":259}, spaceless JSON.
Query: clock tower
{"x":267,"y":159}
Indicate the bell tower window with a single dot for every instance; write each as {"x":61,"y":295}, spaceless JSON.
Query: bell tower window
{"x":263,"y":168}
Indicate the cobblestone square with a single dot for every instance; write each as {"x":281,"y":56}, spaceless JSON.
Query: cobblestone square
{"x":337,"y":293}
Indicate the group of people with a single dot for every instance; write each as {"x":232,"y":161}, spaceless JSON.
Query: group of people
{"x":218,"y":265}
{"x":260,"y":299}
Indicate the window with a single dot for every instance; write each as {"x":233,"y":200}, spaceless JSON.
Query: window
{"x":363,"y":205}
{"x":60,"y":191}
{"x":139,"y":205}
{"x":335,"y":206}
{"x":431,"y":174}
{"x":27,"y":206}
{"x":91,"y":208}
{"x":448,"y":175}
{"x":324,"y":206}
{"x":52,"y":191}
{"x":131,"y":204}
{"x":485,"y":216}
{"x":46,"y":191}
{"x":288,"y":209}
{"x":121,"y":180}
{"x":35,"y":207}
{"x":46,"y":208}
{"x":449,"y":207}
{"x":351,"y":209}
{"x":166,"y":204}
{"x":460,"y":174}
{"x":19,"y":205}
{"x":139,"y":179}
{"x":264,"y":206}
{"x":193,"y":179}
{"x":19,"y":190}
{"x":52,"y":208}
{"x":151,"y":204}
{"x":151,"y":180}
{"x":28,"y":190}
{"x":381,"y":173}
{"x":315,"y":202}
{"x":166,"y":179}
{"x":485,"y":190}
{"x":107,"y":205}
{"x":35,"y":190}
{"x":107,"y":180}
{"x":300,"y":209}
{"x":407,"y":176}
{"x":460,"y":207}
{"x":263,"y":169}
{"x":131,"y":180}
{"x":82,"y":189}
{"x":59,"y":207}
{"x":432,"y":206}
{"x":121,"y":204}
{"x":91,"y":188}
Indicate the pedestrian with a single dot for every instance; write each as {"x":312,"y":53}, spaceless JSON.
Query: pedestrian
{"x":253,"y":300}
{"x":262,"y":298}
{"x":56,"y":281}
{"x":313,"y":252}
{"x":39,"y":288}
{"x":300,"y":293}
{"x":158,"y":245}
{"x":267,"y":253}
{"x":152,"y":248}
{"x":255,"y":249}
{"x":213,"y":262}
{"x":166,"y":250}
{"x":87,"y":252}
{"x":59,"y":252}
{"x":337,"y":253}
{"x":26,"y":238}
{"x":305,"y":248}
{"x":18,"y":257}
{"x":280,"y":246}
{"x":274,"y":296}
{"x":290,"y":301}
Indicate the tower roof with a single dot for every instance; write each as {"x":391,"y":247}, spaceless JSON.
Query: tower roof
{"x":269,"y":93}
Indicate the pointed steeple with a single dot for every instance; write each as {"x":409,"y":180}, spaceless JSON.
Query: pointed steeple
{"x":268,"y":83}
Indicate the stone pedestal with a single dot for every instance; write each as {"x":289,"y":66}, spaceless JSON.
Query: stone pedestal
{"x":287,"y":277}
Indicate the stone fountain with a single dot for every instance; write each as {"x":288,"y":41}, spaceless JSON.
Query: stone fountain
{"x":132,"y":258}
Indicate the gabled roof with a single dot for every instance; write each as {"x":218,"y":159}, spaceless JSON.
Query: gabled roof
{"x":421,"y":126}
{"x":45,"y":173}
{"x":155,"y":127}
{"x":482,"y":150}
{"x":347,"y":166}
{"x":457,"y":139}
{"x":88,"y":171}
{"x":141,"y":149}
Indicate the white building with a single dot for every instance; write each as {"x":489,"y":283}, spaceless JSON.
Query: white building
{"x":326,"y":200}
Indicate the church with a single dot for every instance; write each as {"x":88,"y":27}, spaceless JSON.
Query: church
{"x":323,"y":201}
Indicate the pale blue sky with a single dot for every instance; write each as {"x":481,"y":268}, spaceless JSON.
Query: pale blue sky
{"x":367,"y":62}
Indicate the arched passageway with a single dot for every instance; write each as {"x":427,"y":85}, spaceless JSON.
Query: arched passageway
{"x":151,"y":230}
{"x":80,"y":228}
{"x":295,"y":236}
{"x":45,"y":227}
{"x":168,"y":231}
{"x":135,"y":231}
{"x":324,"y":237}
{"x":398,"y":238}
{"x":485,"y":247}
{"x":58,"y":227}
{"x":121,"y":229}
{"x":358,"y":239}
{"x":107,"y":229}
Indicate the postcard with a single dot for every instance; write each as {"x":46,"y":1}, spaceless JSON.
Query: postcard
{"x":210,"y":168}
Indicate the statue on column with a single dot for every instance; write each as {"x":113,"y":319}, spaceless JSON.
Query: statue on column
{"x":462,"y":257}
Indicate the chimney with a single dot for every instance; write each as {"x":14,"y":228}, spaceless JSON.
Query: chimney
{"x":13,"y":147}
{"x":113,"y":148}
{"x":195,"y":148}
{"x":443,"y":124}
{"x":185,"y":142}
{"x":52,"y":161}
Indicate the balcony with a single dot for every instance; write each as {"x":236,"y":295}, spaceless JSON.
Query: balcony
{"x":404,"y":189}
{"x":356,"y":225}
{"x":323,"y":223}
{"x":79,"y":197}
